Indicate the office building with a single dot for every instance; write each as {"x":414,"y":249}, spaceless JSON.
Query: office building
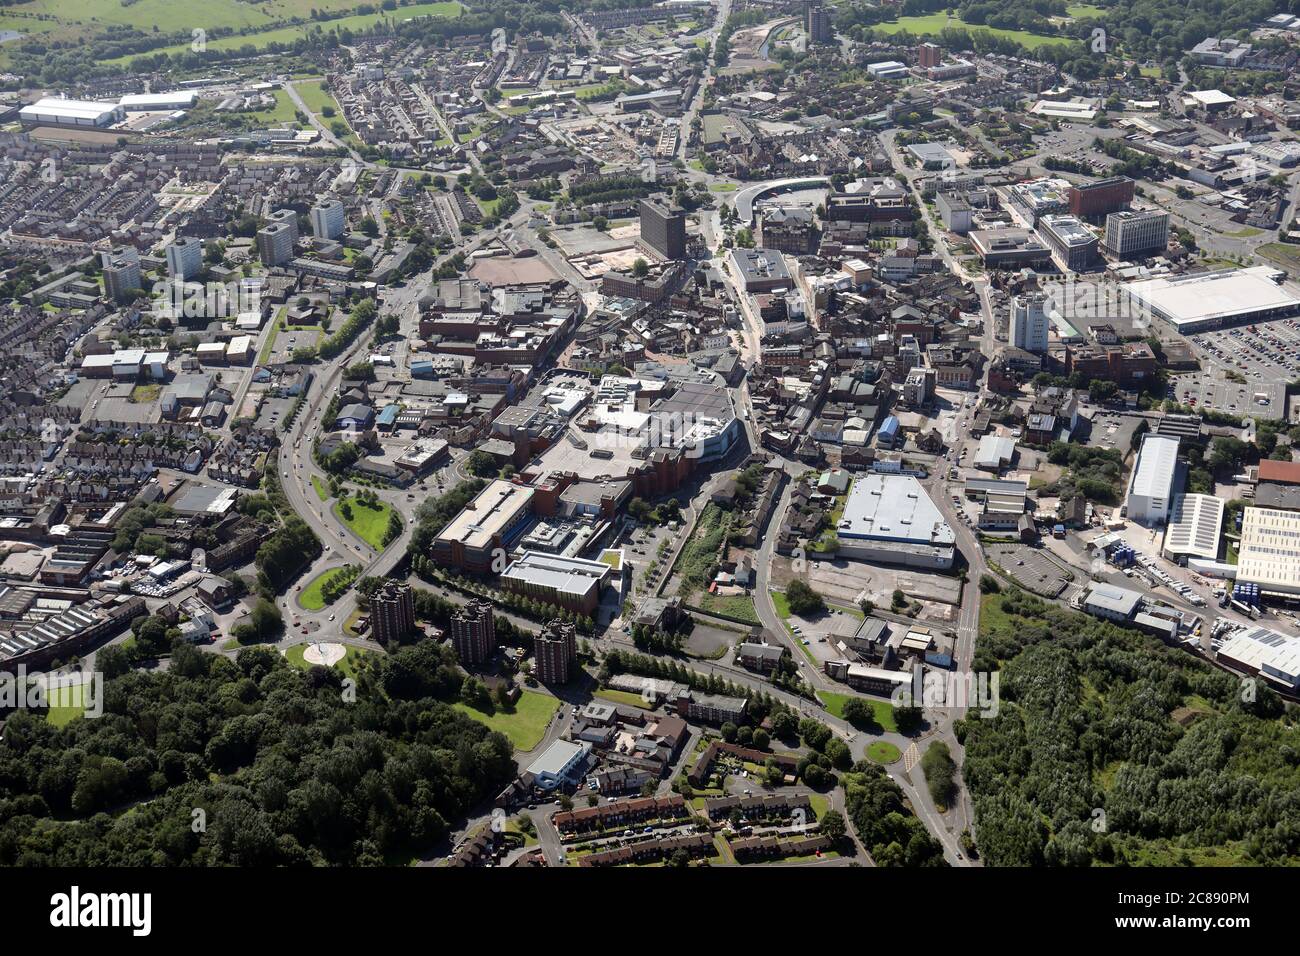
{"x":275,"y":244}
{"x":1092,"y":201}
{"x":1151,"y":489}
{"x":663,"y":228}
{"x":1073,"y":245}
{"x":121,"y":274}
{"x":1030,"y":323}
{"x":818,"y":24}
{"x":328,"y":219}
{"x":483,"y":531}
{"x":569,"y":583}
{"x":392,"y":612}
{"x":474,"y":632}
{"x":955,"y":212}
{"x":185,"y":258}
{"x":1133,"y":235}
{"x":555,"y":649}
{"x":1009,"y":248}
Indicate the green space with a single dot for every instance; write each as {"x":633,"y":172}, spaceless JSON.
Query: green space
{"x":316,"y":97}
{"x":935,"y":23}
{"x":348,"y":665}
{"x":1247,"y":232}
{"x":144,"y":394}
{"x":723,"y":187}
{"x":1285,"y":254}
{"x":881,"y":710}
{"x":1084,"y":11}
{"x":185,"y":13}
{"x":268,"y":345}
{"x":524,"y":724}
{"x":883,"y":752}
{"x":740,"y":606}
{"x":313,"y":595}
{"x":65,"y":704}
{"x":621,"y":697}
{"x":368,"y":522}
{"x":322,"y":492}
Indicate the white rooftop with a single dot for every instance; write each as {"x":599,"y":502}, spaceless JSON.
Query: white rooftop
{"x":892,"y":508}
{"x":1212,"y":295}
{"x":1154,"y":473}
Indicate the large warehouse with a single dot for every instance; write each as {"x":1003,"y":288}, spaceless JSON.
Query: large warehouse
{"x":1266,"y":652}
{"x":1195,"y":523}
{"x":1151,"y":490}
{"x":56,"y":111}
{"x":1270,"y":550}
{"x":1212,"y":300}
{"x":891,"y":519}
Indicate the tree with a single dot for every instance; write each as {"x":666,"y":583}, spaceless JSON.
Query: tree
{"x":640,"y":268}
{"x":833,"y":826}
{"x":989,"y":584}
{"x":802,"y":599}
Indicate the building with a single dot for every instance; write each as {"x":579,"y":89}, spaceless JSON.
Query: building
{"x":1072,"y":243}
{"x":1092,"y":201}
{"x":1009,"y":248}
{"x":496,"y":517}
{"x":955,"y":211}
{"x":1195,"y":523}
{"x":1030,"y":323}
{"x":1151,"y":489}
{"x":888,"y":70}
{"x":663,"y":228}
{"x":1269,"y":554}
{"x":761,"y":270}
{"x":392,"y":612}
{"x":569,"y":583}
{"x":995,"y":452}
{"x":1134,"y":235}
{"x":1266,"y":652}
{"x":929,"y":55}
{"x":1212,"y":300}
{"x":328,"y":219}
{"x":763,"y":658}
{"x":56,"y":111}
{"x":890,"y":518}
{"x":555,"y":652}
{"x":712,"y":708}
{"x":818,"y":23}
{"x":185,"y":258}
{"x":122,"y":274}
{"x":561,"y":765}
{"x":788,"y":229}
{"x":1111,"y":602}
{"x":474,"y":632}
{"x":275,"y":244}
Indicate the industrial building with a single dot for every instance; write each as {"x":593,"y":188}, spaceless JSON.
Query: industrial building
{"x":1111,"y":602}
{"x":158,"y":102}
{"x":56,"y":111}
{"x":891,"y":519}
{"x":1269,"y":554}
{"x":1152,"y":487}
{"x":1268,"y":653}
{"x":1195,"y":523}
{"x":1212,"y":300}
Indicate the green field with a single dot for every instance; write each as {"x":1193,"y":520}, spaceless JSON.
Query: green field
{"x":1285,"y":254}
{"x":312,"y":596}
{"x":525,"y":725}
{"x":322,"y":492}
{"x":883,"y":752}
{"x":739,"y":606}
{"x":882,"y":710}
{"x":287,"y":34}
{"x":368,"y":524}
{"x":622,"y":697}
{"x":65,"y":705}
{"x":347,"y":666}
{"x":314,"y":94}
{"x":935,"y":23}
{"x":1084,"y":11}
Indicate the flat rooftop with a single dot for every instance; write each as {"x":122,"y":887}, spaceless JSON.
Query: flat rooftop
{"x":1224,"y":296}
{"x":893,"y":508}
{"x":488,"y":514}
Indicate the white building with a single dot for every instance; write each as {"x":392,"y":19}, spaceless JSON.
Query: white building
{"x":891,"y":519}
{"x":56,"y":111}
{"x":185,"y":258}
{"x":1195,"y":523}
{"x":328,"y":219}
{"x":1029,"y":323}
{"x":1131,"y":235}
{"x":1151,"y":489}
{"x":1112,"y":603}
{"x":1270,"y":550}
{"x":1266,"y":652}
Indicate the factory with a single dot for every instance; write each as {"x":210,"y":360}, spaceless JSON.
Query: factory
{"x":57,"y":111}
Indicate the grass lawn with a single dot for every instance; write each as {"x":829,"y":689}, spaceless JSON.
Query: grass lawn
{"x":268,"y":346}
{"x":367,"y":523}
{"x":883,"y":752}
{"x":322,"y":492}
{"x":313,"y":597}
{"x":881,"y":710}
{"x":734,"y":605}
{"x":144,"y":394}
{"x":525,"y":725}
{"x":622,"y":697}
{"x":819,"y":803}
{"x":1084,"y":11}
{"x":723,"y":187}
{"x":66,"y":703}
{"x":1285,"y":254}
{"x":937,"y":22}
{"x":347,"y":665}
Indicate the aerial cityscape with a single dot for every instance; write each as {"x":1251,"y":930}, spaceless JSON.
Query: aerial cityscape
{"x":650,"y":433}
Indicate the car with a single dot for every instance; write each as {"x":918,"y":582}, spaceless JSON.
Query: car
{"x":332,"y":617}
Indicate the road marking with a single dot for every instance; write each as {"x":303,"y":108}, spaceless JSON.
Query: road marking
{"x":911,"y":757}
